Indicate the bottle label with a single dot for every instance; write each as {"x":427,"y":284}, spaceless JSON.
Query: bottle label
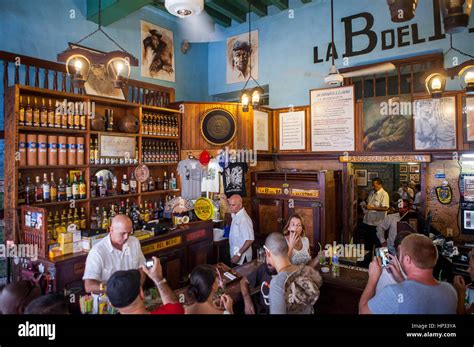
{"x":22,"y":146}
{"x":63,"y":148}
{"x":53,"y":147}
{"x":80,"y":148}
{"x":32,"y":146}
{"x":43,"y":146}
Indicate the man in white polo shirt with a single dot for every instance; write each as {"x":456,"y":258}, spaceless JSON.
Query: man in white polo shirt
{"x":117,"y":251}
{"x":241,"y":234}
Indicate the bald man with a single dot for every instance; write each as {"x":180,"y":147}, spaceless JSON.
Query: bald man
{"x":118,"y":251}
{"x":241,"y":234}
{"x":16,"y":296}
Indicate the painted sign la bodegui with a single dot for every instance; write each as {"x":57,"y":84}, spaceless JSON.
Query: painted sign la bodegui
{"x":390,"y":38}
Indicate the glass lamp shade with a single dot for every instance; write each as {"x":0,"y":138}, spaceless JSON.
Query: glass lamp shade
{"x":435,"y":84}
{"x":118,"y":69}
{"x":455,"y":15}
{"x":78,"y":68}
{"x":402,"y":10}
{"x":256,"y":96}
{"x":466,"y":75}
{"x":245,"y":100}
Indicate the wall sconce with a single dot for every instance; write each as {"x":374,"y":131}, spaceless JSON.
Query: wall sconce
{"x":455,"y":15}
{"x":466,"y":75}
{"x":256,"y":96}
{"x":402,"y":10}
{"x":78,"y":68}
{"x":119,"y":70}
{"x":435,"y":83}
{"x":245,"y":100}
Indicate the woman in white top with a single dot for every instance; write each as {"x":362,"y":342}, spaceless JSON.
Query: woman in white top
{"x":298,"y":243}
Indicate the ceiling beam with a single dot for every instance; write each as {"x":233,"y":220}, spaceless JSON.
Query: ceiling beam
{"x":257,"y":7}
{"x":218,"y":17}
{"x":281,"y":4}
{"x":113,"y":10}
{"x":227,"y":10}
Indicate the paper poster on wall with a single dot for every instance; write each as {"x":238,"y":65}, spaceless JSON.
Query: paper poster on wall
{"x":332,"y":119}
{"x":260,"y":130}
{"x":292,"y":131}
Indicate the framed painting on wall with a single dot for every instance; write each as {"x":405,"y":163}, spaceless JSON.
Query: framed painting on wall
{"x":403,"y":178}
{"x":403,"y":168}
{"x":415,"y":178}
{"x":414,"y":168}
{"x":240,"y":56}
{"x":361,"y":176}
{"x":372,"y":175}
{"x":435,"y":123}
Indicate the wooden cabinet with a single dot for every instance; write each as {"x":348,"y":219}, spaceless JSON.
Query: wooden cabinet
{"x":173,"y":267}
{"x":313,"y":195}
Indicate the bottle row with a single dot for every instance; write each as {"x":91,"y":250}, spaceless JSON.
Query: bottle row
{"x":156,"y":151}
{"x":160,"y":124}
{"x":39,"y":192}
{"x":60,"y":222}
{"x":50,"y":150}
{"x":59,"y":115}
{"x":166,"y":183}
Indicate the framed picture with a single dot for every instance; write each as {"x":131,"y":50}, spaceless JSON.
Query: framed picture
{"x":361,"y":176}
{"x":239,"y":51}
{"x":403,"y":168}
{"x":468,"y":116}
{"x":435,"y":124}
{"x":388,"y":124}
{"x":157,"y":48}
{"x":403,"y":178}
{"x":292,"y":131}
{"x":372,"y":176}
{"x":260,"y":131}
{"x":112,"y":146}
{"x":415,"y":178}
{"x":414,"y":168}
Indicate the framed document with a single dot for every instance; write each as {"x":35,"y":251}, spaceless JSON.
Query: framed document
{"x":332,"y":119}
{"x":468,"y":112}
{"x":113,"y":146}
{"x":260,"y":131}
{"x":292,"y":131}
{"x":361,"y":176}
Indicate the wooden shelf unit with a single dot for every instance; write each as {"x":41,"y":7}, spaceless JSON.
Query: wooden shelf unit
{"x":121,"y":108}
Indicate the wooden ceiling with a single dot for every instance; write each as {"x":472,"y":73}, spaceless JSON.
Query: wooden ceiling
{"x":223,"y":12}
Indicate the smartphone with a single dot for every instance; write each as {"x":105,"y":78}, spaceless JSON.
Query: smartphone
{"x":382,"y":252}
{"x":149,"y":263}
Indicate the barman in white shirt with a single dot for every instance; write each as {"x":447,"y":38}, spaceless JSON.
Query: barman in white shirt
{"x":117,"y":251}
{"x":375,"y":211}
{"x":241,"y":234}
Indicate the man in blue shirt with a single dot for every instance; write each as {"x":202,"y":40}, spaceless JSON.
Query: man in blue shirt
{"x":420,"y":293}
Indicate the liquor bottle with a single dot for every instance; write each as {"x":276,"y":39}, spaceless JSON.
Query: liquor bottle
{"x":151,"y":184}
{"x":113,"y":190}
{"x":159,"y":184}
{"x":46,"y":189}
{"x":125,"y":185}
{"x":36,"y":114}
{"x":102,"y":187}
{"x":75,"y":189}
{"x":29,"y":192}
{"x":57,"y":116}
{"x":28,"y":113}
{"x":77,"y":117}
{"x":53,"y":189}
{"x":105,"y":220}
{"x":83,"y":122}
{"x":62,"y":191}
{"x":63,"y":219}
{"x":96,"y":152}
{"x":99,"y":218}
{"x":110,"y":119}
{"x":83,"y":219}
{"x":133,"y":184}
{"x":50,"y":232}
{"x":93,"y":186}
{"x":144,"y":127}
{"x":144,"y":186}
{"x":70,"y":118}
{"x":91,"y":153}
{"x":51,"y":116}
{"x":21,"y":116}
{"x":76,"y":219}
{"x":112,"y":214}
{"x":146,"y":215}
{"x":64,"y":119}
{"x":172,"y":182}
{"x":165,"y":181}
{"x":135,"y":160}
{"x":21,"y":190}
{"x":43,"y":114}
{"x":69,"y":195}
{"x":93,"y":223}
{"x":82,"y":187}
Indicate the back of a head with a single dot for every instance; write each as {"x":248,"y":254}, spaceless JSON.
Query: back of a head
{"x":16,"y":296}
{"x":421,"y":250}
{"x":48,"y":304}
{"x":123,"y":288}
{"x":201,"y":281}
{"x":276,"y":244}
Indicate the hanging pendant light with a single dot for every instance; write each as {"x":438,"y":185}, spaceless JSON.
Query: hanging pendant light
{"x":119,"y":70}
{"x":435,"y":83}
{"x":455,"y":15}
{"x":402,"y":10}
{"x":334,"y":78}
{"x":78,"y":68}
{"x":466,"y":75}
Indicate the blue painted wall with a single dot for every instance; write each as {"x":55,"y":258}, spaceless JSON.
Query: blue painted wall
{"x":43,"y":28}
{"x":286,"y":46}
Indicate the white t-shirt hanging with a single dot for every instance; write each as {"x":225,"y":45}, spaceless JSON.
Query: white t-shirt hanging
{"x":211,"y":177}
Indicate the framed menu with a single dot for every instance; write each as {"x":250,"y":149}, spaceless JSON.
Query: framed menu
{"x":292,"y":131}
{"x":332,"y":119}
{"x":113,"y":146}
{"x":260,"y":131}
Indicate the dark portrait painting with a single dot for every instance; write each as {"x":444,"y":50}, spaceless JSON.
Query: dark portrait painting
{"x":388,"y":124}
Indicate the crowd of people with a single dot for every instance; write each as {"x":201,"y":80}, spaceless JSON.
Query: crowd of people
{"x":288,"y":282}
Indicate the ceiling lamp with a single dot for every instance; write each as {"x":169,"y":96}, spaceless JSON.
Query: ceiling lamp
{"x":455,"y":14}
{"x":465,"y":73}
{"x":334,"y":78}
{"x":402,"y":10}
{"x":254,"y":95}
{"x":184,"y":8}
{"x":79,"y":59}
{"x":435,"y":83}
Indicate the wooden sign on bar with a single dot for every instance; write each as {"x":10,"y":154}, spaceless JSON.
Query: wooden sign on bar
{"x":155,"y":247}
{"x":422,"y":158}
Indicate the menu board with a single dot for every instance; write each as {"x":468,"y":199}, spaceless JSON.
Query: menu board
{"x":260,"y":130}
{"x":292,"y":131}
{"x":332,"y":119}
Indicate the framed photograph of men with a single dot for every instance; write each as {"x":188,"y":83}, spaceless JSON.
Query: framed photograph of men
{"x":240,"y":55}
{"x":468,"y":115}
{"x":435,"y":123}
{"x":415,"y":168}
{"x":415,"y":178}
{"x":157,"y":48}
{"x":403,"y":168}
{"x":403,"y":178}
{"x":361,"y":176}
{"x":388,"y":124}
